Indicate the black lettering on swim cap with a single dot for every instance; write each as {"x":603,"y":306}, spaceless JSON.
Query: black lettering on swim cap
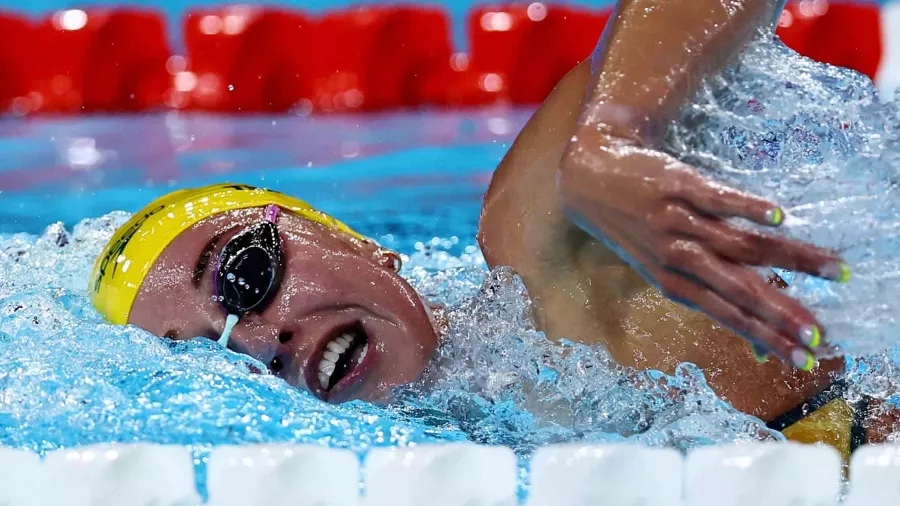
{"x":120,"y":245}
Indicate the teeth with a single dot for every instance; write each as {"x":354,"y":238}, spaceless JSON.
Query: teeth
{"x":362,"y":354}
{"x":327,"y":367}
{"x":334,"y":349}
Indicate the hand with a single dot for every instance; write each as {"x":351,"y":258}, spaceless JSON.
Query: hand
{"x":670,"y":224}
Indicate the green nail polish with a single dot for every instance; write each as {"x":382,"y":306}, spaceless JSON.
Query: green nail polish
{"x":845,"y":273}
{"x":759,"y":353}
{"x":775,"y":216}
{"x":811,"y":336}
{"x":803,"y":360}
{"x":838,"y":271}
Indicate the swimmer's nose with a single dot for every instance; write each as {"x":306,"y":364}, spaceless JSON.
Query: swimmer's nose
{"x":257,"y":341}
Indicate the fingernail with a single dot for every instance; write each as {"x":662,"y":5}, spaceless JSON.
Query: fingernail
{"x":803,"y":360}
{"x":775,"y":216}
{"x":839,"y":272}
{"x":760,"y":353}
{"x":811,"y":336}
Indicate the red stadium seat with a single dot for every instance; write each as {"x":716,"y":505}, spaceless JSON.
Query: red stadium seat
{"x":62,"y":41}
{"x":525,"y":49}
{"x":272,"y":69}
{"x":374,"y":58}
{"x":846,"y":34}
{"x":125,"y":69}
{"x":203,"y":83}
{"x":100,"y":60}
{"x":482,"y":77}
{"x":344,"y":40}
{"x":412,"y":45}
{"x":249,"y":59}
{"x":560,"y":39}
{"x":16,"y":65}
{"x":460,"y":86}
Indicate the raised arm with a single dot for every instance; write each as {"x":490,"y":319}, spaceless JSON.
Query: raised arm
{"x":587,"y":164}
{"x":664,"y":219}
{"x":654,"y":53}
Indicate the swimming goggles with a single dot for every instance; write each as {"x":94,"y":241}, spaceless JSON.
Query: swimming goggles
{"x":250,"y":267}
{"x":248,"y":270}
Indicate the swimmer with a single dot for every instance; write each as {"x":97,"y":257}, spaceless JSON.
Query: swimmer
{"x":582,"y":188}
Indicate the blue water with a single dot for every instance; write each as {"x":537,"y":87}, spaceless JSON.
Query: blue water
{"x":412,"y":181}
{"x":356,"y":167}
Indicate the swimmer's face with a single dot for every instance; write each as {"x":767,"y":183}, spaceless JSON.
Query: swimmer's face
{"x":336,"y":299}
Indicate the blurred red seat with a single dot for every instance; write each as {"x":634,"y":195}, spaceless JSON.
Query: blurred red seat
{"x":344,"y":39}
{"x":374,"y":58}
{"x":62,"y":40}
{"x":412,"y":45}
{"x":561,"y":37}
{"x":16,"y":64}
{"x":846,"y":34}
{"x":247,"y":59}
{"x":202,"y":81}
{"x":273,"y":68}
{"x":126,"y":64}
{"x":100,"y":60}
{"x":520,"y":51}
{"x":481,"y":76}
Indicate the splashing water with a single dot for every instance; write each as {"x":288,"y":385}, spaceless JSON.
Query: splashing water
{"x":506,"y":383}
{"x":816,"y":140}
{"x":67,"y":378}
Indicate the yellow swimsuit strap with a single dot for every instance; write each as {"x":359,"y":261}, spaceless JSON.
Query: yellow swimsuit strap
{"x":826,"y":418}
{"x":121,"y":268}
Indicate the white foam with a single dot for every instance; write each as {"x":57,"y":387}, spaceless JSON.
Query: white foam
{"x":445,"y":475}
{"x":19,"y":478}
{"x":299,"y":475}
{"x":611,"y":475}
{"x":763,"y":474}
{"x":888,"y":78}
{"x":875,"y":476}
{"x":118,"y":475}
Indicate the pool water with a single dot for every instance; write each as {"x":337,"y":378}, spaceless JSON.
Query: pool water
{"x":414,"y":181}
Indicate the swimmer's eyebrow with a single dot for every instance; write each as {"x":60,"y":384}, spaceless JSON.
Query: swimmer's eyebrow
{"x":204,"y":259}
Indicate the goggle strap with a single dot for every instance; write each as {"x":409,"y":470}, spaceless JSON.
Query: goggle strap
{"x":271,"y":213}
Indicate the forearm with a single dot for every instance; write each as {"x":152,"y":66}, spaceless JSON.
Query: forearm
{"x":654,"y":53}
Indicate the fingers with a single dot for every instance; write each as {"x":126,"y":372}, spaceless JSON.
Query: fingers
{"x":752,"y":248}
{"x":764,"y":338}
{"x":723,"y":201}
{"x":747,"y":290}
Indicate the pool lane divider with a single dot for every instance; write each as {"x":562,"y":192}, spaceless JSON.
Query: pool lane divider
{"x":458,"y":474}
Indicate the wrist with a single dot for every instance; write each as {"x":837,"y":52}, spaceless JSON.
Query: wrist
{"x":617,"y":125}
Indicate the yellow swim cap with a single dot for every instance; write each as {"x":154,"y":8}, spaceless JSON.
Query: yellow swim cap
{"x":120,"y":270}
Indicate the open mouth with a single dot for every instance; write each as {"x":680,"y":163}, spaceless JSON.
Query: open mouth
{"x":342,"y":355}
